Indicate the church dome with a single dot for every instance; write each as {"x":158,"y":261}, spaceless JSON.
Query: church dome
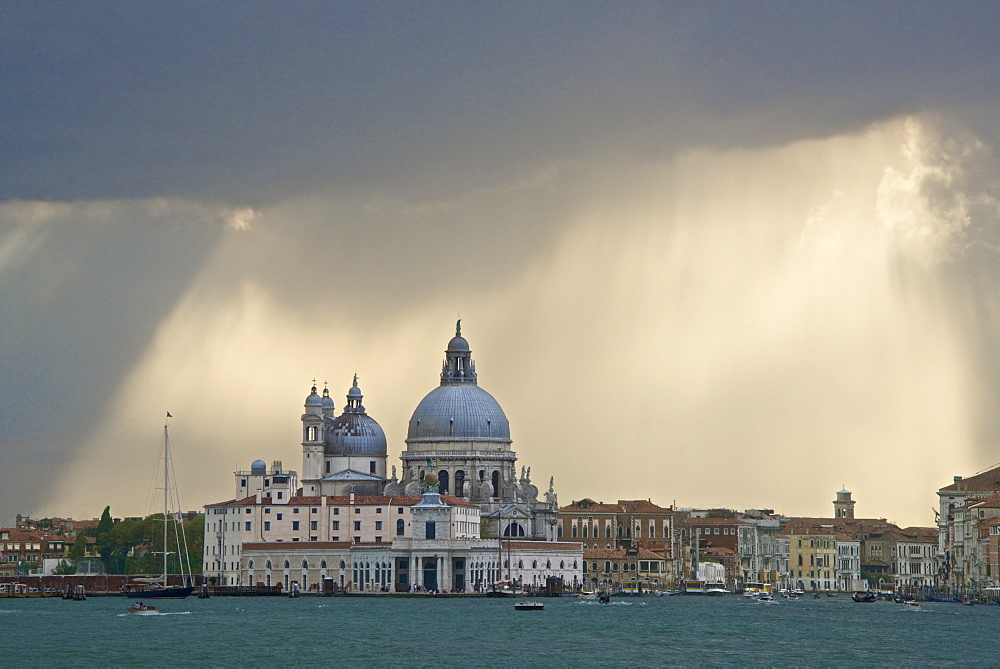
{"x":458,"y":408}
{"x":459,"y":411}
{"x":354,"y":432}
{"x":314,"y":400}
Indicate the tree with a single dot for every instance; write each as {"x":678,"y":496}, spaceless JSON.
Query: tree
{"x":64,"y":569}
{"x":105,"y":524}
{"x":78,"y":548}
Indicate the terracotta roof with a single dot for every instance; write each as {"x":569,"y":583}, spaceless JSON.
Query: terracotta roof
{"x":589,"y":506}
{"x":988,"y":481}
{"x":990,"y":502}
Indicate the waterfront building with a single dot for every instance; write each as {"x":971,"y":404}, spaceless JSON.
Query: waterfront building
{"x":363,"y":529}
{"x":625,"y":569}
{"x":625,"y":524}
{"x":961,"y":561}
{"x":812,"y":552}
{"x":24,"y":551}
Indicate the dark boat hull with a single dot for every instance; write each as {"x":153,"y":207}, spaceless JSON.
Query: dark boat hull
{"x":160,"y":593}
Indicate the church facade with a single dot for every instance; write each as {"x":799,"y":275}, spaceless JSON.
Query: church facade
{"x":459,"y":518}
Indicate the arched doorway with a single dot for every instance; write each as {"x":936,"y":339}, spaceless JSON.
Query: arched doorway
{"x":443,"y":481}
{"x":430,"y":574}
{"x":459,"y":483}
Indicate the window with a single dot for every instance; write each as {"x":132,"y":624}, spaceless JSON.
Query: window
{"x":279,"y":494}
{"x":378,"y":509}
{"x":371,"y":467}
{"x":295,"y":510}
{"x":267,"y":510}
{"x":431,"y":532}
{"x":378,"y":524}
{"x":378,"y":539}
{"x":573,"y":531}
{"x":400,"y":527}
{"x":267,"y":525}
{"x":248,"y":526}
{"x":357,"y":509}
{"x":314,"y":525}
{"x":279,"y":516}
{"x":295,"y":524}
{"x":312,"y":510}
{"x":336,"y":510}
{"x":401,"y":511}
{"x":716,"y":530}
{"x":357,"y":525}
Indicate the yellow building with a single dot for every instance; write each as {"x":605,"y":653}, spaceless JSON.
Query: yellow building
{"x":812,"y":555}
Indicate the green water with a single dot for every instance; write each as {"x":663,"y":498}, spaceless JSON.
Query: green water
{"x":489,"y":632}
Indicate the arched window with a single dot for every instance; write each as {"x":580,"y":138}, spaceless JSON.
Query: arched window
{"x":607,"y":531}
{"x":607,"y":566}
{"x":562,"y":564}
{"x":514,"y":530}
{"x":268,"y":564}
{"x":496,"y":483}
{"x":520,"y":564}
{"x":585,"y":529}
{"x":559,"y":532}
{"x":459,"y":482}
{"x":573,"y":532}
{"x":619,"y":532}
{"x":287,"y":565}
{"x":343,"y":565}
{"x":574,"y":564}
{"x":305,"y":564}
{"x":443,"y":481}
{"x":800,"y":559}
{"x":250,"y":565}
{"x":400,"y":527}
{"x":548,"y":564}
{"x":534,"y":564}
{"x":322,"y":564}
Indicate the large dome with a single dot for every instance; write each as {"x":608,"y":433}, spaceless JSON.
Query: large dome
{"x":458,"y":411}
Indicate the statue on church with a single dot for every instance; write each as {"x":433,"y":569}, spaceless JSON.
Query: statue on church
{"x":550,"y":495}
{"x":392,"y":488}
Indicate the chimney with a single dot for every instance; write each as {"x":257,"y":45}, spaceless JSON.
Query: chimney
{"x":957,"y":479}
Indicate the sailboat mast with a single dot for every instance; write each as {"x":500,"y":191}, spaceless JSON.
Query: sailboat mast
{"x":166,"y":492}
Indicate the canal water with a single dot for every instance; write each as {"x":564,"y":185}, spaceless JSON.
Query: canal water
{"x":677,"y":631}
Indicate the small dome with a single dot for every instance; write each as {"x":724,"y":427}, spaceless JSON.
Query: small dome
{"x":327,"y":401}
{"x":355,"y":434}
{"x":314,"y":400}
{"x":458,"y":344}
{"x":258,"y":468}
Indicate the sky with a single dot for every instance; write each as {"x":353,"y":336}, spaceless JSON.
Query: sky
{"x":710,"y":254}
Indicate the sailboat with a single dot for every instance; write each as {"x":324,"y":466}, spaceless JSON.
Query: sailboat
{"x":156,"y":587}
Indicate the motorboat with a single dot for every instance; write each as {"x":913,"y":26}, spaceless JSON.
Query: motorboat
{"x":715,"y":589}
{"x":529,"y":606}
{"x":604,"y":598}
{"x":864,"y":597}
{"x":140,"y":609}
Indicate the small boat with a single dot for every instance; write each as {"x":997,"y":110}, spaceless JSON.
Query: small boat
{"x":529,"y":606}
{"x":587,"y":595}
{"x":604,"y":598}
{"x":765,"y":598}
{"x":910,"y":604}
{"x":864,"y":597}
{"x":140,"y":609}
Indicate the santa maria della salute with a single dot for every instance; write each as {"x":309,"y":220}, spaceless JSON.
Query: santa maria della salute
{"x":457,"y":518}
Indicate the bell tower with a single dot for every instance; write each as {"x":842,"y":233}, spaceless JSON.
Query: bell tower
{"x":843,"y":506}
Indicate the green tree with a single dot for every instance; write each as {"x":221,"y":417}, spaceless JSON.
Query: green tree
{"x":78,"y":548}
{"x":64,"y":569}
{"x":105,"y":524}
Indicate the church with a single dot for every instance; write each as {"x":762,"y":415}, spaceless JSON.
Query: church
{"x":459,"y":517}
